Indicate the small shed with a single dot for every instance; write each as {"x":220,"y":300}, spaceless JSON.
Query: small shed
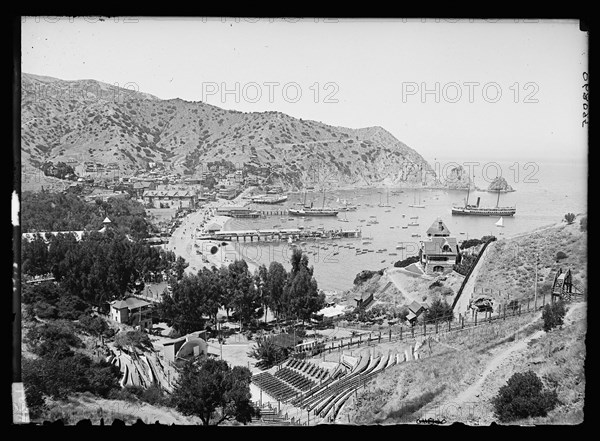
{"x":416,"y":309}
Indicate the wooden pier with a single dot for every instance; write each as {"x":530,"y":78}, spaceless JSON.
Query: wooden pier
{"x":280,"y":234}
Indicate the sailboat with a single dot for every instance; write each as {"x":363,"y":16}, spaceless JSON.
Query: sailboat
{"x":310,"y":211}
{"x":500,"y":222}
{"x":414,"y":204}
{"x":345,"y":219}
{"x":387,"y":204}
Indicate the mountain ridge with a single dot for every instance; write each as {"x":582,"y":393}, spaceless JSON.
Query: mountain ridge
{"x":93,"y":121}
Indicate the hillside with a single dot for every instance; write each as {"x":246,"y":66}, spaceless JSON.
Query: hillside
{"x":458,"y":373}
{"x":92,"y":121}
{"x":510,"y":264}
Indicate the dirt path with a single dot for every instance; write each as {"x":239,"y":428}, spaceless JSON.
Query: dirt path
{"x":462,"y":306}
{"x":469,"y":401}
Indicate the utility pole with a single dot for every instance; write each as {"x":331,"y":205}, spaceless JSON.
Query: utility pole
{"x":535,"y":283}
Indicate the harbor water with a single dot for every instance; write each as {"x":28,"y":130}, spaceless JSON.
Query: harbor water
{"x":383,"y":215}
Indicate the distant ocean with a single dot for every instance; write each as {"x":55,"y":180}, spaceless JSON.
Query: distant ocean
{"x":544,"y":193}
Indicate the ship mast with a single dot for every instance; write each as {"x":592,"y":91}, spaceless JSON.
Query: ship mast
{"x":498,"y":200}
{"x":468,"y":190}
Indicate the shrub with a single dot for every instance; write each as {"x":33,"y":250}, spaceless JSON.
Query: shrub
{"x":45,"y":310}
{"x":70,"y":307}
{"x":561,"y":255}
{"x":268,"y":352}
{"x":466,"y":262}
{"x":53,"y":339}
{"x":438,"y":310}
{"x":365,"y":275}
{"x":435,"y":284}
{"x":406,"y":262}
{"x":94,"y":325}
{"x":553,"y":315}
{"x":446,"y":291}
{"x":523,"y":396}
{"x":134,"y":339}
{"x":569,"y":217}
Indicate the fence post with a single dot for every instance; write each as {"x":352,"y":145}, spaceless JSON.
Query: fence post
{"x":504,"y":312}
{"x":462,"y":326}
{"x":436,"y":326}
{"x":379,"y":341}
{"x":476,"y":317}
{"x":424,"y":328}
{"x":449,"y":320}
{"x":390,"y":339}
{"x":401,"y":332}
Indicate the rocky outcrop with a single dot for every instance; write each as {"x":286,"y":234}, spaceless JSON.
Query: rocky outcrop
{"x":458,"y":179}
{"x":500,"y":184}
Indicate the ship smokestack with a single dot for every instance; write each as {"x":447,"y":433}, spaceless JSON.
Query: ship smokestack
{"x":478,"y":201}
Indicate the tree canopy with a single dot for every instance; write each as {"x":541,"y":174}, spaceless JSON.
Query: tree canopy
{"x":48,"y":211}
{"x":214,"y":392}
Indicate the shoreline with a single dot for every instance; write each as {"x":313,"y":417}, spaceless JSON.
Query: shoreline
{"x":227,"y":252}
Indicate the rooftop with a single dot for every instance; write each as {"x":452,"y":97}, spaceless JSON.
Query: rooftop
{"x":415,"y":306}
{"x":438,"y":228}
{"x":130,"y":303}
{"x":435,"y":245}
{"x":169,"y":193}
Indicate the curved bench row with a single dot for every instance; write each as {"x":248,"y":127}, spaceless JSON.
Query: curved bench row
{"x":311,"y":402}
{"x":324,"y":405}
{"x":294,"y":379}
{"x":275,"y":387}
{"x":391,"y":361}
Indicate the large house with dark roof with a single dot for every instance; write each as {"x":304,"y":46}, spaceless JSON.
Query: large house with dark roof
{"x":132,"y":311}
{"x":440,"y":251}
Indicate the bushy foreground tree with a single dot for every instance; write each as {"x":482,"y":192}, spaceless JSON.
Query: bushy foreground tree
{"x":523,"y":396}
{"x":214,"y":392}
{"x":553,"y":315}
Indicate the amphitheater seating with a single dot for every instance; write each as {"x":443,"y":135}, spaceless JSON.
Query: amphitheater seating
{"x":275,"y":387}
{"x":294,"y":378}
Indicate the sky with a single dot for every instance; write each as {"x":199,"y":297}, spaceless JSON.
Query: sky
{"x":460,"y":89}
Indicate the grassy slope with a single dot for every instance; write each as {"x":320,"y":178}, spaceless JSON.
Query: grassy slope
{"x":510,"y":266}
{"x":458,"y":360}
{"x":453,"y":364}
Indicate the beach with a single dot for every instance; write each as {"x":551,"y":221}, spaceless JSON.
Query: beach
{"x":206,"y":253}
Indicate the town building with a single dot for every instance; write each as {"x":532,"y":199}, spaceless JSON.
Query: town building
{"x":170,"y":198}
{"x":228,"y":192}
{"x":440,"y":252}
{"x":140,"y":187}
{"x":132,"y":311}
{"x":236,"y":212}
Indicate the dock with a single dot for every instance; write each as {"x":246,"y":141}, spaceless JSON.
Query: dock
{"x":279,"y":234}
